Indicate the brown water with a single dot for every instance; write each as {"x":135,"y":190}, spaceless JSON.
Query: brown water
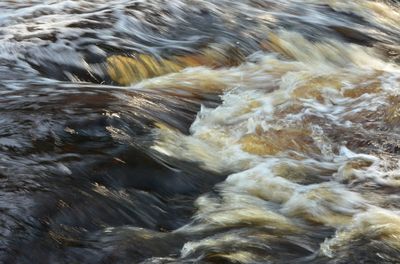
{"x":208,"y":131}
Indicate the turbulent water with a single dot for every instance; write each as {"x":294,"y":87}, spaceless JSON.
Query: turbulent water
{"x":199,"y":131}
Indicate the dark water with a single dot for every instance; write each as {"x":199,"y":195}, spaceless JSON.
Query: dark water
{"x":142,"y":131}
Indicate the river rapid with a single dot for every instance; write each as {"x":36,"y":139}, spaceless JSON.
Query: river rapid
{"x":200,"y":131}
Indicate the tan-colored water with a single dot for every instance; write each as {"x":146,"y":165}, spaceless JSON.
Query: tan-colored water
{"x":310,"y":133}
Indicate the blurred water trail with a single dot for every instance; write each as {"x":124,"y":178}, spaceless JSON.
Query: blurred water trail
{"x":207,"y":131}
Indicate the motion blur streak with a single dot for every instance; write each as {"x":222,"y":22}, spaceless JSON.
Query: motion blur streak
{"x":200,"y":131}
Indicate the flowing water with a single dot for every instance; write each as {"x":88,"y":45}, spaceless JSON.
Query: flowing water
{"x":199,"y":131}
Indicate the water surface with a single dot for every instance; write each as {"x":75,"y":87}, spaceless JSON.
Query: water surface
{"x":208,"y":131}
